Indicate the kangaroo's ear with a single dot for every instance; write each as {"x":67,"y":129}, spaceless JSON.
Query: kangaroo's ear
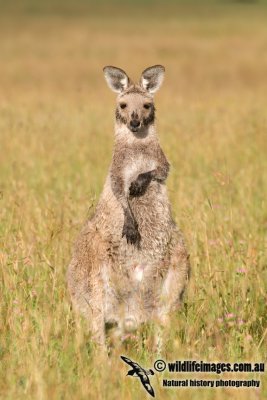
{"x":116,"y":78}
{"x":152,"y":78}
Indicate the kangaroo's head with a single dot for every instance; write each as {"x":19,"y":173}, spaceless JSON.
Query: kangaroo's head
{"x":135,"y":105}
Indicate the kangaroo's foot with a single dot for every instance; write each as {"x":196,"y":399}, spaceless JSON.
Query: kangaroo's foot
{"x":130,"y":231}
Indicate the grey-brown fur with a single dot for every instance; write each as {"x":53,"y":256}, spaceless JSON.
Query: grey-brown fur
{"x":130,"y":264}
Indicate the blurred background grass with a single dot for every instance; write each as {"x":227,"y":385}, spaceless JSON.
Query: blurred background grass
{"x":56,"y":137}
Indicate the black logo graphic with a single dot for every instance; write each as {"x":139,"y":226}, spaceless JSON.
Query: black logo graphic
{"x":141,"y":373}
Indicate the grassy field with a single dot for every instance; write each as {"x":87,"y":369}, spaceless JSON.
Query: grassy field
{"x":56,"y":138}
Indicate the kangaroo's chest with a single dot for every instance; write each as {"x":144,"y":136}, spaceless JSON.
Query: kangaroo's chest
{"x":135,"y":165}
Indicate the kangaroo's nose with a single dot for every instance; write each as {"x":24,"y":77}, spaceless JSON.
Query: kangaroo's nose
{"x":134,"y":123}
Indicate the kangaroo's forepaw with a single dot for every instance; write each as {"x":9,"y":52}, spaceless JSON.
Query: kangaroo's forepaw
{"x":140,"y":185}
{"x":130,"y":231}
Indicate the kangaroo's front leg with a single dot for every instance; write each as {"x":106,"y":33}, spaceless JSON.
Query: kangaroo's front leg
{"x":130,"y":227}
{"x":140,"y":185}
{"x":120,"y":189}
{"x":160,"y":174}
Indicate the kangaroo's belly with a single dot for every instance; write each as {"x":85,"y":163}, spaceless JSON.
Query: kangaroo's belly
{"x":153,"y":215}
{"x":132,"y":294}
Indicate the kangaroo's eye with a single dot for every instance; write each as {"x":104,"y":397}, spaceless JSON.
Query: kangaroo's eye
{"x":147,"y":106}
{"x":123,"y":105}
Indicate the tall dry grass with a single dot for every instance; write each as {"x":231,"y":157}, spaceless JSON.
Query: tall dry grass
{"x":56,"y":136}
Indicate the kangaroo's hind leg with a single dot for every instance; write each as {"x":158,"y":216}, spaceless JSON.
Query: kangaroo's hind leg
{"x":177,"y":275}
{"x":85,"y":282}
{"x":178,"y":268}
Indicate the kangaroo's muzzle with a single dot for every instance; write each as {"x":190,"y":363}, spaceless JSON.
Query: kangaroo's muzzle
{"x":134,"y":125}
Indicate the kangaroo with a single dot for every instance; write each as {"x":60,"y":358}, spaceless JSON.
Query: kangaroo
{"x":130,"y":264}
